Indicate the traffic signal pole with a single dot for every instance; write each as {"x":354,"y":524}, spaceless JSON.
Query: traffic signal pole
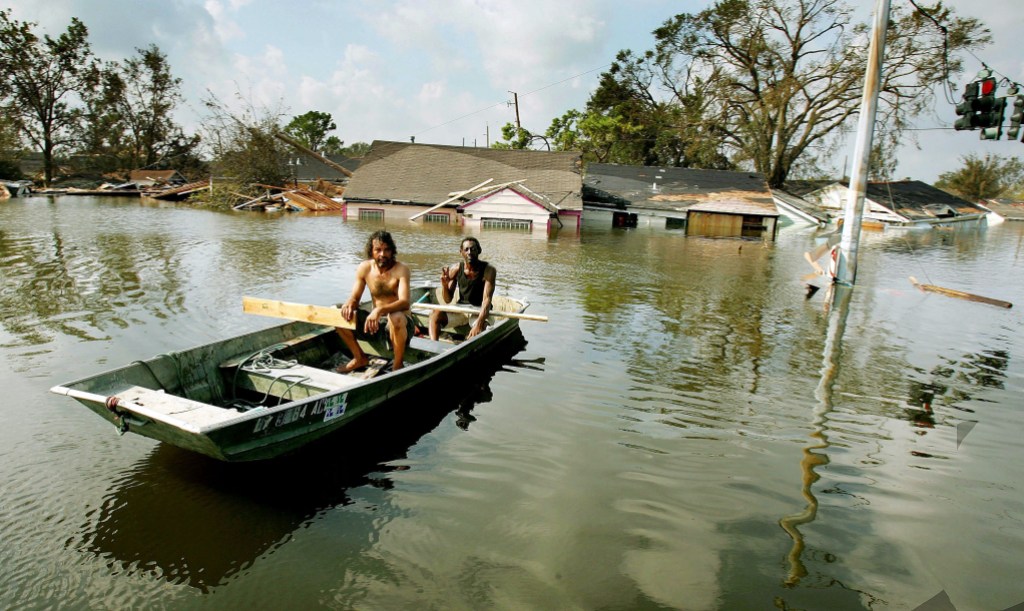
{"x":846,"y":256}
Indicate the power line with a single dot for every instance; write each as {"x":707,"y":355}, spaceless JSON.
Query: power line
{"x":505,"y":103}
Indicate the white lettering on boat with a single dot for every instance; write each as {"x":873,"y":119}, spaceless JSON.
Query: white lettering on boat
{"x":331,"y":407}
{"x":290,"y":416}
{"x":262,"y":424}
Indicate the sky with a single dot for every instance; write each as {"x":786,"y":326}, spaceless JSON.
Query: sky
{"x":446,"y":71}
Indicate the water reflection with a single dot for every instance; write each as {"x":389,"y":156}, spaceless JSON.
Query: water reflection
{"x":814,"y":456}
{"x":190,"y":520}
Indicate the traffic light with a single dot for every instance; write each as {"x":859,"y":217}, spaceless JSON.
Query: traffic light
{"x":1016,"y":114}
{"x":990,"y":110}
{"x":966,"y":109}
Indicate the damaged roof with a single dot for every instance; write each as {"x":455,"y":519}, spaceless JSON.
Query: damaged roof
{"x":914,"y":200}
{"x":403,"y":172}
{"x":678,"y":189}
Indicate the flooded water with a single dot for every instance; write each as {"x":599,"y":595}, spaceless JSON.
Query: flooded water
{"x":687,"y":431}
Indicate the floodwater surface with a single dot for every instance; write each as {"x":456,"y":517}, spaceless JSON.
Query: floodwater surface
{"x":688,"y":431}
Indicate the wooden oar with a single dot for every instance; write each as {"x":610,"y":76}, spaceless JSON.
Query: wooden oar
{"x":960,"y":294}
{"x":330,"y":315}
{"x":469,"y":310}
{"x":321,"y":315}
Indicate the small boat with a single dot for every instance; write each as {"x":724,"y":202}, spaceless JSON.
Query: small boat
{"x":267,"y":393}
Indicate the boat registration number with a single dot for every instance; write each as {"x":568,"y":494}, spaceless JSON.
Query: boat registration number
{"x":331,"y":407}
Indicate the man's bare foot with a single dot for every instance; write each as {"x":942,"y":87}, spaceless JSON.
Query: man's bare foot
{"x":353,"y":365}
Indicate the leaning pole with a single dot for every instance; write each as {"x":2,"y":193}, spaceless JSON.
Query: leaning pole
{"x":846,"y":256}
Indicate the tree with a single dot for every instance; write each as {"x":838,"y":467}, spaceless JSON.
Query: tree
{"x":984,"y":178}
{"x":311,"y":128}
{"x":767,"y":81}
{"x":41,"y":78}
{"x":244,"y":148}
{"x":149,"y":97}
{"x":356,"y":149}
{"x":10,"y":149}
{"x":333,"y":146}
{"x":516,"y":138}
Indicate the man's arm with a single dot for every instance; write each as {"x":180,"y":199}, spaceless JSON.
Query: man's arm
{"x":348,"y":310}
{"x":490,"y":275}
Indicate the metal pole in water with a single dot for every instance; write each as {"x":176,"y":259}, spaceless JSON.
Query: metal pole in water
{"x":846,"y":259}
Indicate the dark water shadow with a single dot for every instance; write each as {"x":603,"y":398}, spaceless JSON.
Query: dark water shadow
{"x":196,"y":521}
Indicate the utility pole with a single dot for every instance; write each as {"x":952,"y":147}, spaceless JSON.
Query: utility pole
{"x":515,"y":102}
{"x":846,"y":257}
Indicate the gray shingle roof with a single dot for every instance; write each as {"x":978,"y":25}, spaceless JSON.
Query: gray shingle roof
{"x":403,"y":172}
{"x":667,"y":188}
{"x":913,"y":198}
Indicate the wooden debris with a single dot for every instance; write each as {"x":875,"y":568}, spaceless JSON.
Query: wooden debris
{"x":181,"y":191}
{"x":301,"y":198}
{"x":308,"y":199}
{"x":962,"y":295}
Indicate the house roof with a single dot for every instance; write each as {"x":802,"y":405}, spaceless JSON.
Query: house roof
{"x":916,"y":200}
{"x":310,"y":168}
{"x":534,"y":198}
{"x":402,"y":172}
{"x":677,"y":189}
{"x":1009,"y":209}
{"x":912,"y":200}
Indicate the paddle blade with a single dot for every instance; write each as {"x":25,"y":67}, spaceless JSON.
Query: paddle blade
{"x":320,"y":315}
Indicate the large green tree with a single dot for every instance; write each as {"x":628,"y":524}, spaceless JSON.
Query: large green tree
{"x":149,"y":95}
{"x":42,"y":78}
{"x":984,"y":178}
{"x":766,"y":82}
{"x":129,"y":112}
{"x":311,"y":128}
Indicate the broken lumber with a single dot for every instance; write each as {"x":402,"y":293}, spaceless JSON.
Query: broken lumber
{"x":962,"y":295}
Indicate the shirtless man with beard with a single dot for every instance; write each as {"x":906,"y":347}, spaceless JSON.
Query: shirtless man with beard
{"x":388,"y":280}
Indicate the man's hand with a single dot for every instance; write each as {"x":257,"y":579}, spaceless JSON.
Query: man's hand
{"x":372,"y":322}
{"x":348,"y":310}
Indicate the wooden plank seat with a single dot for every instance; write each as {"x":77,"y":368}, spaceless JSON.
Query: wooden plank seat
{"x":289,"y":382}
{"x":425,"y":344}
{"x":189,"y":411}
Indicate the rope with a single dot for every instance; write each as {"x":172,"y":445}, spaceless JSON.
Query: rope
{"x":263,"y":361}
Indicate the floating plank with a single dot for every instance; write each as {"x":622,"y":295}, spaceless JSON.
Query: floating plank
{"x":962,"y":295}
{"x":321,"y":315}
{"x":450,"y":199}
{"x":468,"y":310}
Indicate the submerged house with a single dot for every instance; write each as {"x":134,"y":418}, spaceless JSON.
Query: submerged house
{"x":483,"y":187}
{"x":713,"y":203}
{"x":1004,"y":209}
{"x":904,"y":203}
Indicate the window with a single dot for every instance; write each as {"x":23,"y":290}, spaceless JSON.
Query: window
{"x":513,"y":224}
{"x":437,"y":217}
{"x":371,"y":214}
